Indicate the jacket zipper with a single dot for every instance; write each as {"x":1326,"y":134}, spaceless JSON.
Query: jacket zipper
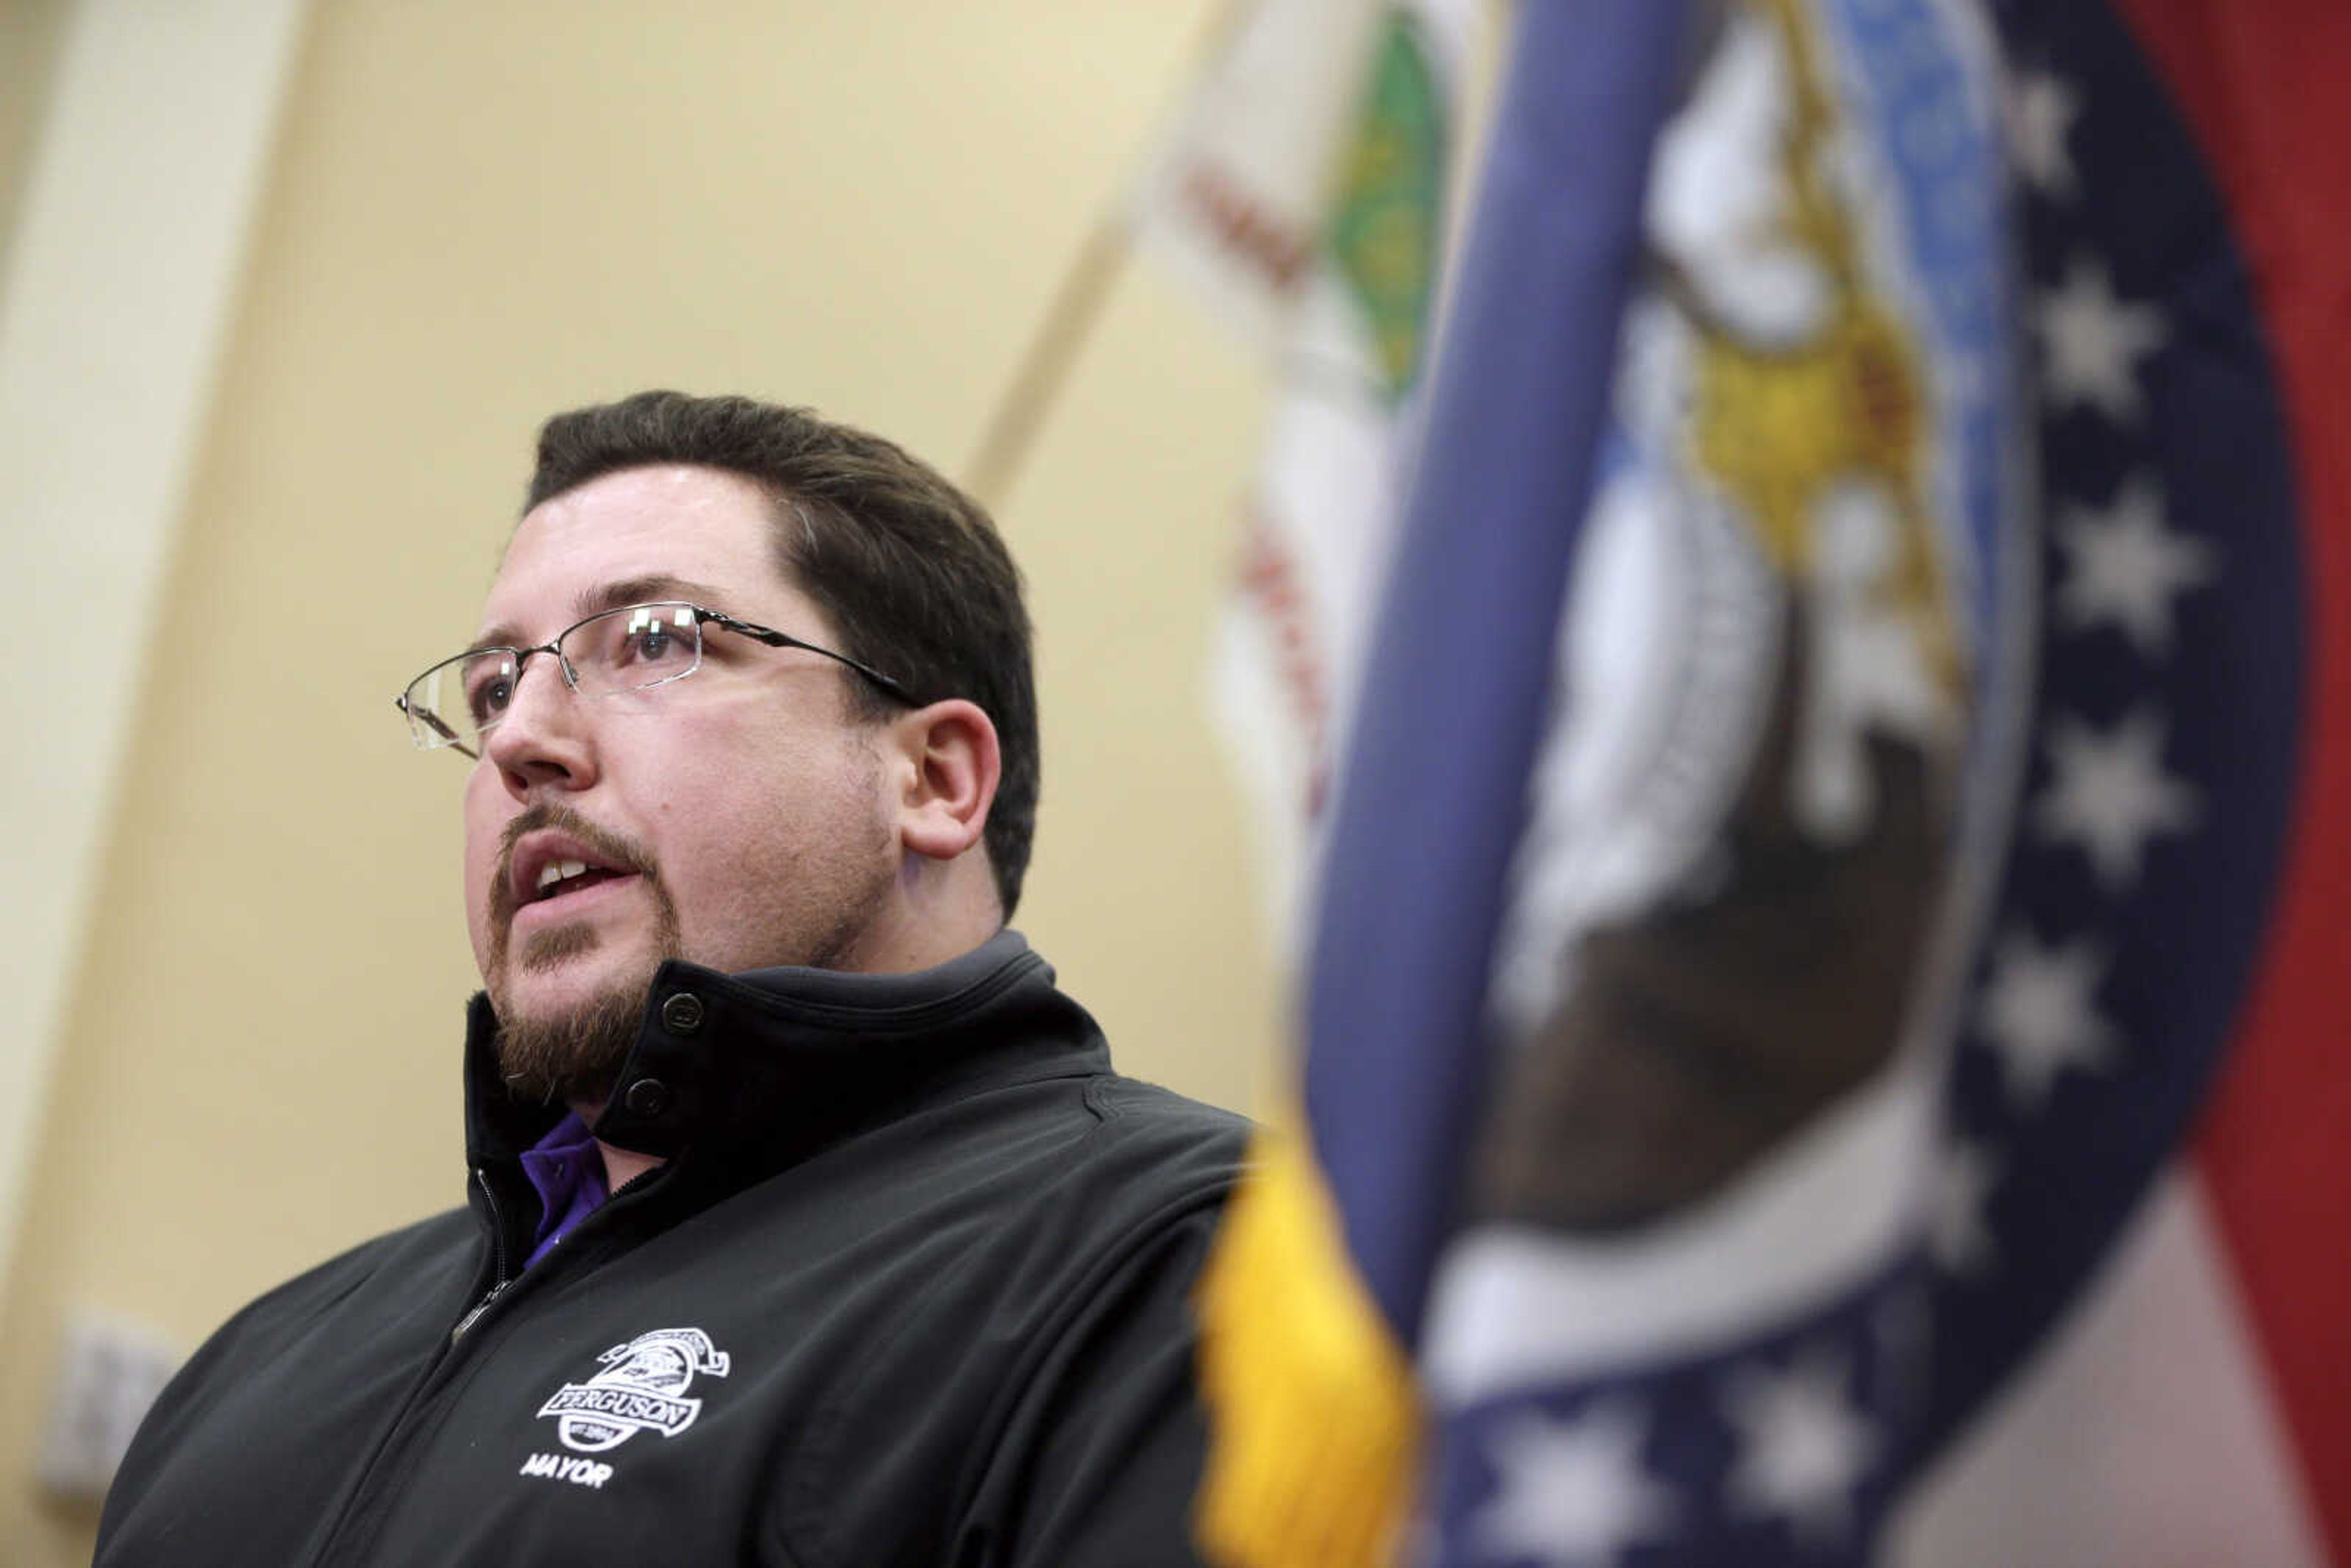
{"x":356,"y":1498}
{"x":498,"y":1279}
{"x":499,"y":1282}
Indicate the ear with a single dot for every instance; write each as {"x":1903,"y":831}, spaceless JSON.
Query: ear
{"x":950,"y":769}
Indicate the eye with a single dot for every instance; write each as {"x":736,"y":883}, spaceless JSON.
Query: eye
{"x":654,"y":641}
{"x":648,"y":644}
{"x":489,"y":687}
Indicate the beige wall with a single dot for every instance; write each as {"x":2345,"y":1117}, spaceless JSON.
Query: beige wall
{"x":480,"y":211}
{"x":30,"y":34}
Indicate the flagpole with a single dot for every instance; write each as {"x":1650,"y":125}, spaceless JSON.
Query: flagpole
{"x":1085,"y":285}
{"x":1077,"y":307}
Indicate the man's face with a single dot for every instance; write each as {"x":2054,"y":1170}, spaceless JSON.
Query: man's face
{"x":737,"y":818}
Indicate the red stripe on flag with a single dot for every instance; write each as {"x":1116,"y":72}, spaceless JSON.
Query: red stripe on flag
{"x":2267,"y":88}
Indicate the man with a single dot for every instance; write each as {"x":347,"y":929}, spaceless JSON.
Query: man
{"x":808,"y":1222}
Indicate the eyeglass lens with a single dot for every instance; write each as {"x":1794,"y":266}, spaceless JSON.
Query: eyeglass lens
{"x":623,"y":650}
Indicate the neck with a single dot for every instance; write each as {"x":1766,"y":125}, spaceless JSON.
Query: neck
{"x":942,"y":910}
{"x":622,"y":1166}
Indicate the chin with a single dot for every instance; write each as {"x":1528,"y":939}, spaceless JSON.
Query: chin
{"x":569,"y":1006}
{"x":540,"y":998}
{"x":568,"y":968}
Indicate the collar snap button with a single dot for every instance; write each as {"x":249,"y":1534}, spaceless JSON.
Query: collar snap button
{"x":647,"y":1097}
{"x":682,"y":1013}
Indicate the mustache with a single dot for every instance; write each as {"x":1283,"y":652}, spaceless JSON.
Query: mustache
{"x":615,"y":849}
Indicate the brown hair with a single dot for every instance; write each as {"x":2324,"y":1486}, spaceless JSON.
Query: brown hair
{"x":913,"y":573}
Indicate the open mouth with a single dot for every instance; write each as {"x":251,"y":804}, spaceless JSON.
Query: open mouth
{"x":557,"y":878}
{"x":554,"y":868}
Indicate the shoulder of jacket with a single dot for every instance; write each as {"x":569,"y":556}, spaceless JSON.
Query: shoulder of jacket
{"x":403,"y":1251}
{"x":1153,"y":1144}
{"x":1150,"y":1110}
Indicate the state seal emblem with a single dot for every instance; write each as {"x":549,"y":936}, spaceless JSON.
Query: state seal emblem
{"x":642,"y":1388}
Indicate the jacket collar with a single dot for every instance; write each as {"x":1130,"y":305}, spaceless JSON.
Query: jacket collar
{"x":770,"y":1065}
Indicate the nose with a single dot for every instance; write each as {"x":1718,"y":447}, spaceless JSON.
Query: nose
{"x":544,"y":741}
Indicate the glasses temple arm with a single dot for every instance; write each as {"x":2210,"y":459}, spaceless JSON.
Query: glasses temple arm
{"x":428,"y":717}
{"x":775,"y":639}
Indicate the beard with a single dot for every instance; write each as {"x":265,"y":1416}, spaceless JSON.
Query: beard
{"x":574,"y":1055}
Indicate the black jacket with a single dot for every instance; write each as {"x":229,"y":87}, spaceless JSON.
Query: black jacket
{"x":913,"y":1287}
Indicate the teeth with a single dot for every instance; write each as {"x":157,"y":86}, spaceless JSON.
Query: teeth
{"x":556,"y":871}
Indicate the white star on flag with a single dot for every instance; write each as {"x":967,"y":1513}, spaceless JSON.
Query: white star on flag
{"x":2092,"y":342}
{"x":2109,"y":794}
{"x":2041,"y":112}
{"x":2126,"y":568}
{"x":1572,"y":1493}
{"x":1957,"y":1236}
{"x":2039,"y":1011}
{"x":1803,"y":1447}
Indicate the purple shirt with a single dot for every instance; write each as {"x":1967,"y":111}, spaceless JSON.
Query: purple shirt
{"x":567,"y":1169}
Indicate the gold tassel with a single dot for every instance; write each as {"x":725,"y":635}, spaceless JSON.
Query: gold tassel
{"x":1313,"y":1415}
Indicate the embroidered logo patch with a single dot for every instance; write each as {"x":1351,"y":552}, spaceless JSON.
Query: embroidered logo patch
{"x":643,"y":1387}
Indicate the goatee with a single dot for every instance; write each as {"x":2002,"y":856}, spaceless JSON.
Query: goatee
{"x":576,"y":1056}
{"x":573,"y":1056}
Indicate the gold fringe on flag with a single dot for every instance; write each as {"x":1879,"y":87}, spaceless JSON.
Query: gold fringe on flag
{"x":1313,"y":1415}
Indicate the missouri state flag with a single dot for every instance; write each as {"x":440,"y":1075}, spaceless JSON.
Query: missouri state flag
{"x":1827,"y":1014}
{"x":1301,"y":190}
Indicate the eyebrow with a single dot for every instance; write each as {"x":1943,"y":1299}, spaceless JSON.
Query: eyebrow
{"x":612,"y":595}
